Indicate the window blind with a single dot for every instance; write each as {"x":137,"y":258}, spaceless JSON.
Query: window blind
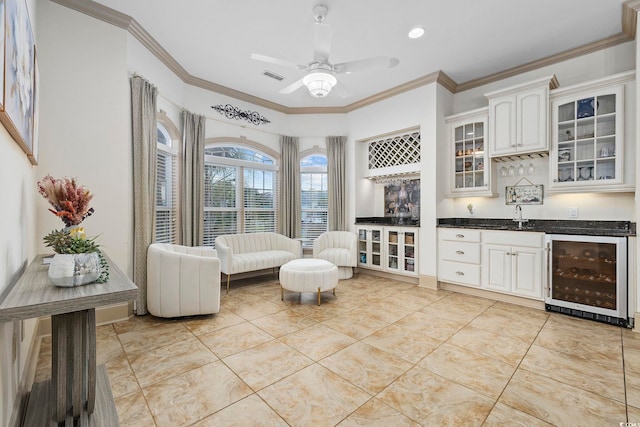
{"x":166,"y":197}
{"x":314,"y":205}
{"x":220,"y":202}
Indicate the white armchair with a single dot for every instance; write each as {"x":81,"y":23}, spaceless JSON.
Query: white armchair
{"x":340,"y":248}
{"x":182,"y":281}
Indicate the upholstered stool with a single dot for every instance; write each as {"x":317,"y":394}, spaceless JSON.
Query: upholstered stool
{"x":308,"y":275}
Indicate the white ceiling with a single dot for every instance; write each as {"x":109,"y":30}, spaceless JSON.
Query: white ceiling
{"x":467,"y":39}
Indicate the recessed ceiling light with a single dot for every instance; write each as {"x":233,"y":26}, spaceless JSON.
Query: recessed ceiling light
{"x":416,"y":33}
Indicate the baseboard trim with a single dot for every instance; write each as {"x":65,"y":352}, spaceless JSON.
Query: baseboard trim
{"x":429,"y":282}
{"x":525,"y":302}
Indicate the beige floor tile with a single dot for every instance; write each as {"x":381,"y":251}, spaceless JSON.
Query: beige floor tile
{"x":266,"y":363}
{"x":43,"y":367}
{"x":501,"y":347}
{"x":143,"y":323}
{"x":151,"y":366}
{"x":202,"y":325}
{"x":189,"y":397}
{"x":633,"y":414}
{"x":283,"y":323}
{"x":234,"y":339}
{"x":251,"y":310}
{"x":604,"y":379}
{"x":250,"y":411}
{"x":416,"y":298}
{"x":314,"y":396}
{"x":505,"y":416}
{"x":366,"y":366}
{"x":354,"y":325}
{"x":385,"y":311}
{"x":133,"y":411}
{"x":432,"y":400}
{"x":632,"y":384}
{"x":161,"y":335}
{"x":108,"y":348}
{"x":560,"y":404}
{"x":374,"y":413}
{"x":121,"y":376}
{"x":318,"y":313}
{"x":441,"y":328}
{"x":480,"y":373}
{"x":506,"y":324}
{"x":465,"y":307}
{"x":409,"y":345}
{"x":533,"y":316}
{"x":318,"y":342}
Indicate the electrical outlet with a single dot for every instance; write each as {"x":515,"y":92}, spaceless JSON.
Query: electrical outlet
{"x":573,"y":212}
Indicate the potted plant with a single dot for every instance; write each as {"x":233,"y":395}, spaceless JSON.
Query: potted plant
{"x":78,"y":260}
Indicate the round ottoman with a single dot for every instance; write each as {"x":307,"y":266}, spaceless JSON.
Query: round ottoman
{"x":308,"y":275}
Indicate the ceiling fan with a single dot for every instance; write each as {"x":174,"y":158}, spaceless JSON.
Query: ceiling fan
{"x":320,"y":75}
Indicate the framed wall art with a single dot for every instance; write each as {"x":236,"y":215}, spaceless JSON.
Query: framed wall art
{"x":524,"y":194}
{"x":19,"y":75}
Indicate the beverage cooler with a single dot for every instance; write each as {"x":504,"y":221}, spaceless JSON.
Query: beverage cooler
{"x":587,"y":277}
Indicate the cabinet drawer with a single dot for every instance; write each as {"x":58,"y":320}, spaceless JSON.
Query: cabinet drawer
{"x":460,"y":252}
{"x":459,"y":234}
{"x":457,"y":272}
{"x":514,"y":238}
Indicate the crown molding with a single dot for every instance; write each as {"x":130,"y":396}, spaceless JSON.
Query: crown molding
{"x":121,"y":20}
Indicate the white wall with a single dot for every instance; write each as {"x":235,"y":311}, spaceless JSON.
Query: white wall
{"x":17,"y":249}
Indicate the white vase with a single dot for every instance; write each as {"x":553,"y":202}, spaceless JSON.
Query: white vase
{"x":68,"y":270}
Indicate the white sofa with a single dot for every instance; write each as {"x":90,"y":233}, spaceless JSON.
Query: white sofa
{"x":240,"y":253}
{"x":182,"y":281}
{"x":339,"y":248}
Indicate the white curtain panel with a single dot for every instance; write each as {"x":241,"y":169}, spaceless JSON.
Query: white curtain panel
{"x":143,"y":109}
{"x":336,"y":185}
{"x":193,"y":130}
{"x":290,"y":204}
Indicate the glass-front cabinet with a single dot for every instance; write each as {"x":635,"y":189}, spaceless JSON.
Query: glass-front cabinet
{"x":587,"y":140}
{"x":370,"y":247}
{"x":470,"y":166}
{"x":401,"y":244}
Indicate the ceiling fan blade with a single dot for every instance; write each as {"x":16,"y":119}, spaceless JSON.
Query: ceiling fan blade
{"x":292,"y":87}
{"x":322,"y":42}
{"x":366,"y":64}
{"x":276,"y":61}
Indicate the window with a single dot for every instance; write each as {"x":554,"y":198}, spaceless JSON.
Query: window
{"x":313,"y":183}
{"x":166,"y":187}
{"x":240,"y":191}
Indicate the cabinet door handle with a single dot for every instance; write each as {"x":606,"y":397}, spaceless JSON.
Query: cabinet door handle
{"x":514,"y":253}
{"x":460,"y":236}
{"x":520,"y":144}
{"x":459,"y":273}
{"x":509,"y":253}
{"x":513,"y":145}
{"x":460,"y":252}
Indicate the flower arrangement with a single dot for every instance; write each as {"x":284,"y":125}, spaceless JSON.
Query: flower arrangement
{"x":70,"y":203}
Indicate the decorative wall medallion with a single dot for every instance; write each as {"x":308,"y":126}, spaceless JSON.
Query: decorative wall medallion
{"x":232,"y":112}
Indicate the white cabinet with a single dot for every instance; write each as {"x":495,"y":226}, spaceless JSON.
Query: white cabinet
{"x":390,"y":249}
{"x":459,"y":256}
{"x":587,"y":137}
{"x":469,"y":164}
{"x":513,"y":262}
{"x":401,"y":245}
{"x":518,"y":121}
{"x":370,"y":247}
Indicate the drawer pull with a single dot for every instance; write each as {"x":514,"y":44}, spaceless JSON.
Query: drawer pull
{"x":460,"y":252}
{"x":460,"y":236}
{"x":509,"y":253}
{"x":459,"y":273}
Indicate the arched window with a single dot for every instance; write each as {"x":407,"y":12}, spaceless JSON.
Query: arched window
{"x":240,"y":190}
{"x":166,"y":181}
{"x":313,"y":185}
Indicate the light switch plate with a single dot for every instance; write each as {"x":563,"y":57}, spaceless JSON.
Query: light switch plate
{"x":573,"y":212}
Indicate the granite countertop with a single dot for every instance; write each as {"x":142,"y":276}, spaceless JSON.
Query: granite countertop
{"x":388,"y":220}
{"x":549,"y":226}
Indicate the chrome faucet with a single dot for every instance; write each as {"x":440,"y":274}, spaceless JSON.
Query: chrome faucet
{"x":517,"y":216}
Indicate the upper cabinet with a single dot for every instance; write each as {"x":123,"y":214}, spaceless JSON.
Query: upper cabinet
{"x":518,"y":118}
{"x":470,"y":165}
{"x":587,"y":137}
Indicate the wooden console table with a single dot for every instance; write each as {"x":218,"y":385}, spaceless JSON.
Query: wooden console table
{"x":78,"y":393}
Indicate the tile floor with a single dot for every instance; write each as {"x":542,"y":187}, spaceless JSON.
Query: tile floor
{"x":379,"y":353}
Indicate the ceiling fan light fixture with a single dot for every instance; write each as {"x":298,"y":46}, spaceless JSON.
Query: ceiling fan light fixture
{"x":416,"y":33}
{"x":319,"y":83}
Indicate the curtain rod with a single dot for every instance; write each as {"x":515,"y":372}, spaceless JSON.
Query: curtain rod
{"x":182,"y":108}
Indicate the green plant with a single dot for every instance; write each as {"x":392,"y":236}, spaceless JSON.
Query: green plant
{"x":64,"y":242}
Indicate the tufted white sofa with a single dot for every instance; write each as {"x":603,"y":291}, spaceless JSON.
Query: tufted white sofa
{"x":182,"y":281}
{"x":339,"y":248}
{"x":240,"y":253}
